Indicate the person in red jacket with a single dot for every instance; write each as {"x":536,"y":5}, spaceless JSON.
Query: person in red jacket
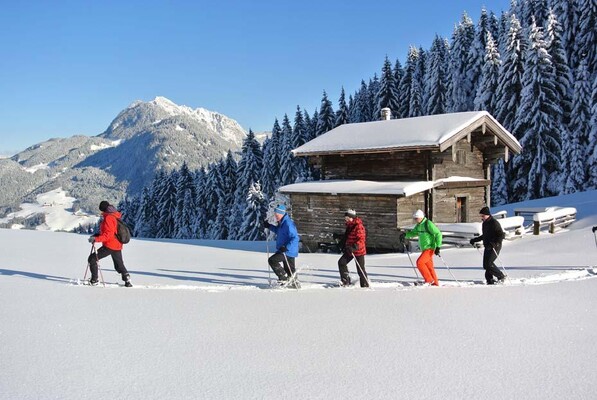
{"x":354,"y":247}
{"x":111,"y":246}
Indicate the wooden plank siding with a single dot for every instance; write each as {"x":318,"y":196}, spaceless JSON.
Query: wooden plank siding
{"x":377,"y":166}
{"x":461,"y":160}
{"x":444,"y":207}
{"x":318,"y":216}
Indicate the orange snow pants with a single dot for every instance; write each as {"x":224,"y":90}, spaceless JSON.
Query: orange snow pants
{"x":425,"y":266}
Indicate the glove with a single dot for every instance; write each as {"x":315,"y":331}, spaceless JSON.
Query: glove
{"x":437,"y":251}
{"x":472,"y":242}
{"x":283,"y":249}
{"x":354,"y":247}
{"x":91,"y":239}
{"x":402,"y":237}
{"x":594,"y":228}
{"x":266,"y":224}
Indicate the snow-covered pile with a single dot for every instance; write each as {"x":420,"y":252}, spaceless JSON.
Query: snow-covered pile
{"x":201,"y":322}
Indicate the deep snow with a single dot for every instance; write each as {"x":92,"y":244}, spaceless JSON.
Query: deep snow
{"x":201,"y":323}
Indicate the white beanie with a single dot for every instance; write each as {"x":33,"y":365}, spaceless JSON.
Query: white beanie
{"x":418,"y":214}
{"x":350,"y":213}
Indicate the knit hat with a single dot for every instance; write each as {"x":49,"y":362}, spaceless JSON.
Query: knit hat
{"x":350,"y":213}
{"x":419,"y":214}
{"x":280,"y":209}
{"x":104,"y":206}
{"x":485,"y":211}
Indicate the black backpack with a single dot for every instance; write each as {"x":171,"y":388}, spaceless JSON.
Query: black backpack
{"x":123,"y":232}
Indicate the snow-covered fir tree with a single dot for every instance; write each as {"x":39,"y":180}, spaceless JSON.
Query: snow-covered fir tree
{"x":362,"y":112}
{"x":398,"y":74}
{"x":342,"y":112}
{"x":300,"y":168}
{"x":186,"y":208}
{"x":418,"y":97}
{"x":510,"y":75}
{"x":563,"y":74}
{"x":461,"y":96}
{"x":538,"y":167}
{"x":374,"y":86}
{"x":406,"y":84}
{"x":253,"y":215}
{"x":585,"y":48}
{"x":327,"y":118}
{"x":437,"y":80}
{"x":388,"y":90}
{"x":212,"y":197}
{"x":499,"y":185}
{"x":285,"y":154}
{"x":487,"y":88}
{"x":592,"y":148}
{"x":249,"y":167}
{"x":477,"y":52}
{"x":202,"y":223}
{"x":575,"y":169}
{"x":166,"y":201}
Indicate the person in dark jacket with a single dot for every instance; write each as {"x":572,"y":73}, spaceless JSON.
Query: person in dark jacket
{"x":492,"y":237}
{"x":354,"y":247}
{"x":282,"y":261}
{"x":111,"y":246}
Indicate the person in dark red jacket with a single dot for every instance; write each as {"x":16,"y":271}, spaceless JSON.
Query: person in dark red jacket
{"x":354,"y":247}
{"x":111,"y":246}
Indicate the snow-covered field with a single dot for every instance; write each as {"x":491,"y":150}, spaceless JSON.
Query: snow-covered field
{"x":202,"y":323}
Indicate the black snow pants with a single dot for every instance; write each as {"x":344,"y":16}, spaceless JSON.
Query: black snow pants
{"x":491,"y":270}
{"x":343,"y":268}
{"x":116,"y":258}
{"x":282,"y":266}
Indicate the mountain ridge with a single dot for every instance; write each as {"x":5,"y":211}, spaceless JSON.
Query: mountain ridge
{"x":142,"y":139}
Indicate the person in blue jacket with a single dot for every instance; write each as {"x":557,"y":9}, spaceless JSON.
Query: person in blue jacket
{"x":287,"y":245}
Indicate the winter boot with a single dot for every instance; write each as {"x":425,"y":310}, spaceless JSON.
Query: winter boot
{"x":127,"y":280}
{"x":92,"y":282}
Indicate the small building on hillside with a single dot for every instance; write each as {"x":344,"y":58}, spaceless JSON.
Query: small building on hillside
{"x":387,"y":169}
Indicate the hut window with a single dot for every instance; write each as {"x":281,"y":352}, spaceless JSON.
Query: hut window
{"x":309,"y":203}
{"x":461,"y":205}
{"x":461,"y":157}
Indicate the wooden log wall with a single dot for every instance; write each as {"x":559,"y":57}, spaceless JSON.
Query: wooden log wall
{"x":378,"y":166}
{"x":444,"y":203}
{"x":319,"y":216}
{"x":463,"y":159}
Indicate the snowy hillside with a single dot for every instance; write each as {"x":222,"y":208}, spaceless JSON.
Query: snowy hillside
{"x":201,"y":322}
{"x":52,"y":211}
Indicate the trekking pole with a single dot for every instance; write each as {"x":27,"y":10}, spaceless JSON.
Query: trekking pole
{"x":269,"y":270}
{"x":449,"y":270}
{"x":98,"y":265}
{"x":292,"y":274}
{"x":361,"y":269}
{"x":501,"y":263}
{"x":411,"y":262}
{"x":87,"y":269}
{"x":595,"y":236}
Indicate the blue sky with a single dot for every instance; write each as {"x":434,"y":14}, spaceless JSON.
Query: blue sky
{"x":69,"y":67}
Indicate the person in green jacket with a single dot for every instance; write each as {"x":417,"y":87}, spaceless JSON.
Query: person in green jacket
{"x":430,"y":240}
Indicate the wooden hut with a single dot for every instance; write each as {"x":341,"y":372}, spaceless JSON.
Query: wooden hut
{"x":387,"y":169}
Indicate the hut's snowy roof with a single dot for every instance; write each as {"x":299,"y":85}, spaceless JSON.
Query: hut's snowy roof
{"x":433,"y":131}
{"x":350,"y":186}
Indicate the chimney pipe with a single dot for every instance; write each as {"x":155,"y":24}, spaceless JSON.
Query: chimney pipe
{"x":386,"y":114}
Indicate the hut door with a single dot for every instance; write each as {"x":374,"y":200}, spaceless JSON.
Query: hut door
{"x":461,"y":209}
